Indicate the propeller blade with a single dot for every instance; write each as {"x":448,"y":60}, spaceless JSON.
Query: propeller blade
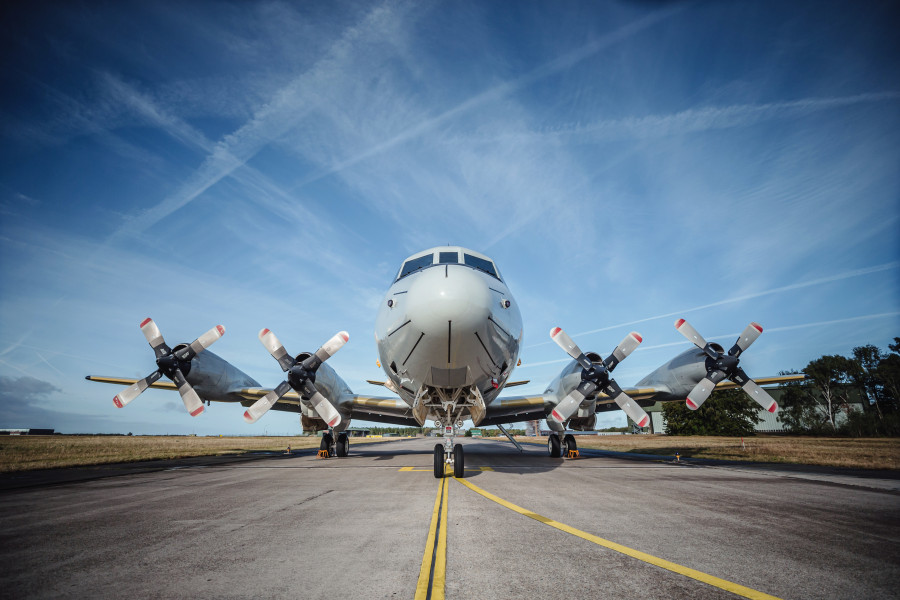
{"x":333,"y":345}
{"x":632,"y":409}
{"x":568,"y":405}
{"x":201,"y":343}
{"x":702,"y":390}
{"x":325,"y":409}
{"x":626,"y":347}
{"x":275,"y":348}
{"x":754,"y":391}
{"x":694,"y":337}
{"x":760,"y":395}
{"x":136,"y":389}
{"x":262,"y":406}
{"x":192,"y":401}
{"x":571,"y":348}
{"x":154,"y":337}
{"x":749,"y":336}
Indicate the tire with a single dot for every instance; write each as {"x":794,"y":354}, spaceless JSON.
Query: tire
{"x":569,"y":444}
{"x":327,"y":443}
{"x":343,"y":445}
{"x":439,"y":461}
{"x":459,"y":465}
{"x":553,"y":446}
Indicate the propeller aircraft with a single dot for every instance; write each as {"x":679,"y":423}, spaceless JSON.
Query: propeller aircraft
{"x":448,"y":334}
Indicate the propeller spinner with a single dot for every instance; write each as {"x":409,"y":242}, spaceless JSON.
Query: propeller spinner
{"x":172,"y":364}
{"x":720,"y":366}
{"x":301,"y":377}
{"x":596,"y":376}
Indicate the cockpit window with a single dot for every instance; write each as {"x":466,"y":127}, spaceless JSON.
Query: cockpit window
{"x":445,"y":258}
{"x":481,"y":264}
{"x":414,"y":264}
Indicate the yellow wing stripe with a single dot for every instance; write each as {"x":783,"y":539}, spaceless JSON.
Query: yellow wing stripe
{"x":380,"y":402}
{"x":162,"y":385}
{"x":517,"y":402}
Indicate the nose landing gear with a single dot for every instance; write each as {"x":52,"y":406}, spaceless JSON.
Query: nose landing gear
{"x":449,"y":453}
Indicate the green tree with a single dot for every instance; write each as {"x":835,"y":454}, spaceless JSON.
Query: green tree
{"x":888,"y":374}
{"x":726,"y":412}
{"x":868,"y":358}
{"x":798,"y":410}
{"x":831,"y":377}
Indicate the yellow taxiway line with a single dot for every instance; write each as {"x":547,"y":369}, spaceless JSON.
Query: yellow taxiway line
{"x":728,"y":586}
{"x":432,"y":574}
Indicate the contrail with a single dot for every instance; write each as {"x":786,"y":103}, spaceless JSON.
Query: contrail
{"x":786,"y":288}
{"x":502,"y":90}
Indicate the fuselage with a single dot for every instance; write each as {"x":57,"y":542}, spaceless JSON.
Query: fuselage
{"x":448,"y":322}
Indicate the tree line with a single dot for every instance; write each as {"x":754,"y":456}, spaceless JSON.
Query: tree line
{"x":822,"y":404}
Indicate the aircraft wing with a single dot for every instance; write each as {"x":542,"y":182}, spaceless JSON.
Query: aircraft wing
{"x":160,"y":385}
{"x":246,"y":396}
{"x":515,"y":409}
{"x":367,"y":408}
{"x":661,"y":393}
{"x":382,"y":410}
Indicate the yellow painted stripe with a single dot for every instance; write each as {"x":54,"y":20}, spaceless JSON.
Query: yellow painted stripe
{"x":440,"y":562}
{"x":163,"y":385}
{"x":728,"y":586}
{"x":438,"y":515}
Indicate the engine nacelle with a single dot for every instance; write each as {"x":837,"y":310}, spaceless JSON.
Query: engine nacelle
{"x":214,"y":378}
{"x":678,"y":377}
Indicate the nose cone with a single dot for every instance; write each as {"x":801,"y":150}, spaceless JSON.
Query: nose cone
{"x":449,"y":301}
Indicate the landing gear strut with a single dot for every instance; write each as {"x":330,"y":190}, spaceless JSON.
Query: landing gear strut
{"x":448,"y":453}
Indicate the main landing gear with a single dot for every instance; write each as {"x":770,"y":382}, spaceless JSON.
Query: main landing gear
{"x":341,"y":448}
{"x":565,"y":447}
{"x":449,"y":454}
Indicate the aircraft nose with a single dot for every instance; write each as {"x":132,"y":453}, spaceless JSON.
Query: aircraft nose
{"x":448,"y":301}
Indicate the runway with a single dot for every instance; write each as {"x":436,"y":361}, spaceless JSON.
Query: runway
{"x":372,"y":525}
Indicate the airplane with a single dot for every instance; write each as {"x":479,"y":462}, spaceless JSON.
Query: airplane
{"x":448,"y":333}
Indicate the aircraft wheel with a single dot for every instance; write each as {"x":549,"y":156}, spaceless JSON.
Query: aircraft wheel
{"x":553,"y":446}
{"x":459,"y":468}
{"x":343,"y":445}
{"x":327,"y":443}
{"x":439,"y":461}
{"x":569,"y":444}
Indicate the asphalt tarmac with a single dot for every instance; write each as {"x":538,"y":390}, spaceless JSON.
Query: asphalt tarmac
{"x":377,"y":524}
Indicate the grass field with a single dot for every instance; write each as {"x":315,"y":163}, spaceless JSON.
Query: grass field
{"x":24,"y":453}
{"x":859,"y":453}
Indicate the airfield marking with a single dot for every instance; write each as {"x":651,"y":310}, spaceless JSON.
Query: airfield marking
{"x":728,"y":586}
{"x":429,"y":470}
{"x":432,"y":574}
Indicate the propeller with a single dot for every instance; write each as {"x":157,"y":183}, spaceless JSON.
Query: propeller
{"x":720,"y":366}
{"x":172,"y":364}
{"x":596,"y":376}
{"x":301,"y":377}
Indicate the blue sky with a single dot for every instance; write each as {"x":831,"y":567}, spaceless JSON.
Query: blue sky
{"x":264,"y":164}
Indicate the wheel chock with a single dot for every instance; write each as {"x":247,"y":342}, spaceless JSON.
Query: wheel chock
{"x":573,"y":454}
{"x":323,"y":453}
